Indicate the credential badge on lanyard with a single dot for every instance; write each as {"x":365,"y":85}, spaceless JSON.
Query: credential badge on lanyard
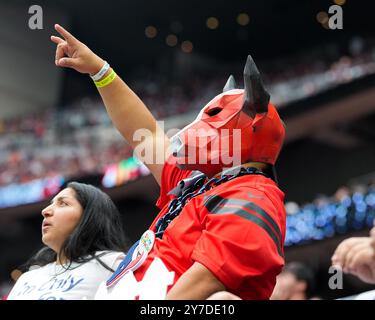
{"x":134,"y":258}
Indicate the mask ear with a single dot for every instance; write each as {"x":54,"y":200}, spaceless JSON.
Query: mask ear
{"x":256,"y":97}
{"x":231,"y":84}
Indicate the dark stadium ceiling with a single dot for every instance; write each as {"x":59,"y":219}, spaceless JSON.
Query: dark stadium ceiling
{"x":275,"y":28}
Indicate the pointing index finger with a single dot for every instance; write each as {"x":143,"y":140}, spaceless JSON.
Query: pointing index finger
{"x":64,"y":33}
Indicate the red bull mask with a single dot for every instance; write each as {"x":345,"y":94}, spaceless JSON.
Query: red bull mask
{"x":235,"y":127}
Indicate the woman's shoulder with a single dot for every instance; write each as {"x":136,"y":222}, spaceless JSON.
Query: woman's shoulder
{"x":33,"y":271}
{"x":37,"y":268}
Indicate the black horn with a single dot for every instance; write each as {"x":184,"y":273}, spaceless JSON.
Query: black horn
{"x":256,"y":97}
{"x":231,"y":84}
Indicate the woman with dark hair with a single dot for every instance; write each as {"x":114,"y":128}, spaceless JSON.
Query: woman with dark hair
{"x":84,"y":242}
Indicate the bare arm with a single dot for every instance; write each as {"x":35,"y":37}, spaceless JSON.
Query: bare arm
{"x":197,"y":283}
{"x":129,"y":114}
{"x":127,"y":111}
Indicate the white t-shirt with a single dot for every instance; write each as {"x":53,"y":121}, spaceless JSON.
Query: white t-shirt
{"x":368,"y":295}
{"x":53,"y":282}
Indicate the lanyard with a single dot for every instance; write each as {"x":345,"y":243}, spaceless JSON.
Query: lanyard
{"x":196,"y":187}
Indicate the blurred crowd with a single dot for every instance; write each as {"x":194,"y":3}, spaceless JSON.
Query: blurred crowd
{"x":79,"y":139}
{"x":41,"y":146}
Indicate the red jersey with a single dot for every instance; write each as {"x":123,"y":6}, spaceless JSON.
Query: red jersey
{"x":236,"y":230}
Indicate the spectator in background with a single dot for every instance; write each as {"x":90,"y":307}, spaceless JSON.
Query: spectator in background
{"x":84,"y":242}
{"x":295,"y":282}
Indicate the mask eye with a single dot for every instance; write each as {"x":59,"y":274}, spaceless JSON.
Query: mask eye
{"x":214,"y":111}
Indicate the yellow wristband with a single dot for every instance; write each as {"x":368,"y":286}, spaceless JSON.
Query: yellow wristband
{"x":107,"y":80}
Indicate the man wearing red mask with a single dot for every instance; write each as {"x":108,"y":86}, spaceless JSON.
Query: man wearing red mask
{"x":222,"y":219}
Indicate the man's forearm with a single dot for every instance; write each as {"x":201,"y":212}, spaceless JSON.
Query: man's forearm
{"x":197,"y":283}
{"x":129,"y":114}
{"x":126,"y":110}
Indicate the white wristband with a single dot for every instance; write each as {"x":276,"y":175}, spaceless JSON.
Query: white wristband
{"x":101,"y":73}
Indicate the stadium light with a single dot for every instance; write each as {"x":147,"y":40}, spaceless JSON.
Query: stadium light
{"x":187,"y":46}
{"x":171,"y":40}
{"x":212,"y":23}
{"x":243,"y":19}
{"x":151,"y":32}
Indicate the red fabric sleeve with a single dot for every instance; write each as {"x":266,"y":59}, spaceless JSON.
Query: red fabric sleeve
{"x":170,"y":176}
{"x":240,"y":253}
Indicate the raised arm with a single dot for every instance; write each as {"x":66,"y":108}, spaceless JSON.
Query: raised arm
{"x":126,"y":110}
